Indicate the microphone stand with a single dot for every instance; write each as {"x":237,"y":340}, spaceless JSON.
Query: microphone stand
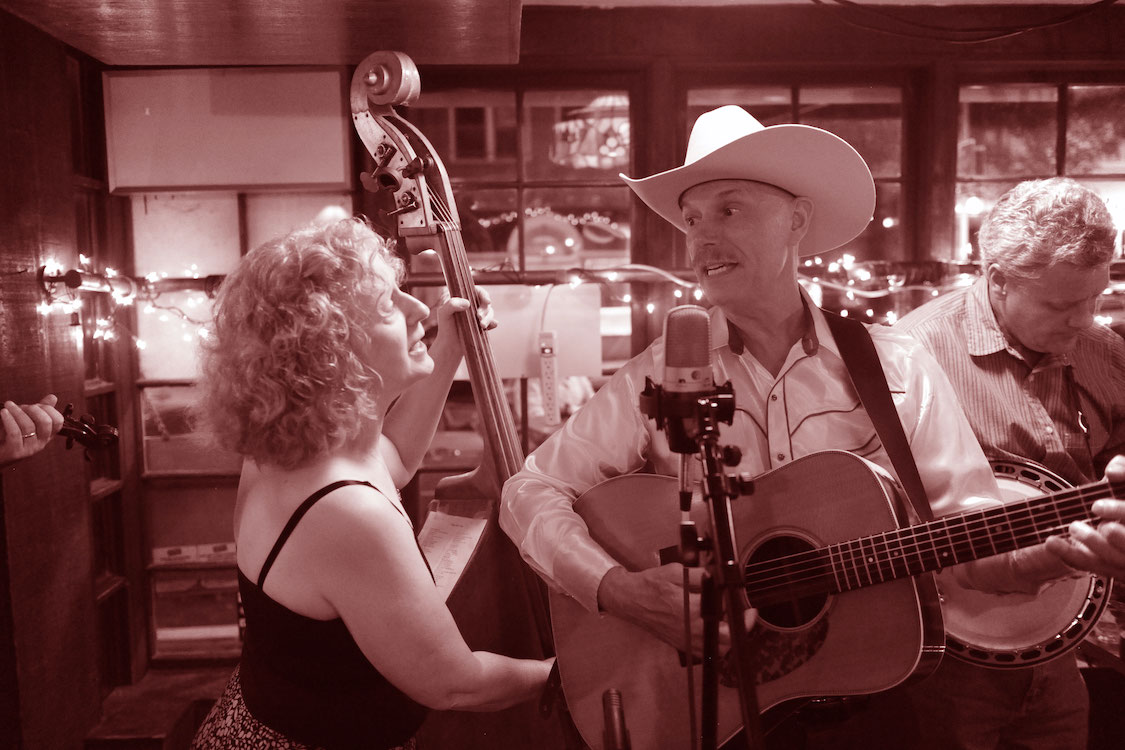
{"x":724,"y":576}
{"x":692,"y":426}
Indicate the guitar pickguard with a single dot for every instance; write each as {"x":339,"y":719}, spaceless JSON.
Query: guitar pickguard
{"x":776,"y":653}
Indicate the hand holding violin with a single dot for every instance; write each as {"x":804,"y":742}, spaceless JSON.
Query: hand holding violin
{"x":27,"y":428}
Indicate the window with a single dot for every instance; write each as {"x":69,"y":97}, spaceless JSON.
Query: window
{"x":183,"y":242}
{"x":534,"y":171}
{"x":867,"y":117}
{"x":1009,"y":132}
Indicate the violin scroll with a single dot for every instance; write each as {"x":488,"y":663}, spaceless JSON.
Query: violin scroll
{"x":385,"y":78}
{"x":407,"y":172}
{"x":84,"y":430}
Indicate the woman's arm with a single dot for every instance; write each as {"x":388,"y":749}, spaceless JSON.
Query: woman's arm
{"x":369,"y":568}
{"x":409,"y":426}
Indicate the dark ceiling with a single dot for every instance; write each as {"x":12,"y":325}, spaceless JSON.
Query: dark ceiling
{"x":201,"y":33}
{"x":279,"y":32}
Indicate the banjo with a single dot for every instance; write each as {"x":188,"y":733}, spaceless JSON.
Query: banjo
{"x":1007,"y":631}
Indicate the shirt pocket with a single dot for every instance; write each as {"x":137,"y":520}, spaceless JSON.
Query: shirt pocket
{"x":842,"y":427}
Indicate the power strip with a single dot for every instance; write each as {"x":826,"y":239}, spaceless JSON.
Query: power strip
{"x":549,"y":377}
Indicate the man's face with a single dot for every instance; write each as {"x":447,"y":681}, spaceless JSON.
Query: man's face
{"x":1046,"y":314}
{"x":740,"y":239}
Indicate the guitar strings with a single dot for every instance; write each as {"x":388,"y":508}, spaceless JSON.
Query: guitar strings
{"x":820,"y":565}
{"x":849,"y":551}
{"x":492,"y":398}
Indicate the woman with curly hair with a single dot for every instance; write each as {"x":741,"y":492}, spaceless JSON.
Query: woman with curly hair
{"x":317,"y":374}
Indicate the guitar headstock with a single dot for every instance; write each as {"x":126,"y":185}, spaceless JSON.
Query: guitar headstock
{"x":86,"y":431}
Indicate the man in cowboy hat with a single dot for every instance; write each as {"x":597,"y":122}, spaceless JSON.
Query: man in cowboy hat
{"x":750,"y":200}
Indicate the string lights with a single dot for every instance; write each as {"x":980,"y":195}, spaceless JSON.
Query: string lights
{"x":61,"y":290}
{"x":873,"y":290}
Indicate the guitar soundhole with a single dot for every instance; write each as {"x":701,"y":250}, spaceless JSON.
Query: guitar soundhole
{"x":785,"y":596}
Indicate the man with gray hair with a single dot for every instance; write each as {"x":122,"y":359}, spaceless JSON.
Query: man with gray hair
{"x":1041,"y":381}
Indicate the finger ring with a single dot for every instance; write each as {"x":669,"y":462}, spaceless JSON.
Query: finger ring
{"x":29,"y":435}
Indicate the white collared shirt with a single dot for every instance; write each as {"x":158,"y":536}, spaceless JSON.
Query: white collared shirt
{"x":809,"y":406}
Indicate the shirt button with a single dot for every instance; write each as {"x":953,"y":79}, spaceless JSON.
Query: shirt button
{"x":1049,"y":430}
{"x":780,"y":456}
{"x":773,"y":397}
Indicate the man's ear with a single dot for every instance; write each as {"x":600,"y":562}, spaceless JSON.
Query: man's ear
{"x":997,"y":281}
{"x":802,"y":216}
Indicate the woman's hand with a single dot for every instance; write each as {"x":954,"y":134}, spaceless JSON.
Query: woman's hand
{"x":27,"y":428}
{"x":447,"y":345}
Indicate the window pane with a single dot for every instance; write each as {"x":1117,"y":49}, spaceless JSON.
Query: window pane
{"x":488,"y":221}
{"x":882,"y":239}
{"x":575,"y":227}
{"x":1095,"y":130}
{"x":867,"y":117}
{"x":576,"y":135}
{"x":1007,"y":130}
{"x":770,"y":105}
{"x":173,"y":440}
{"x":472,"y":131}
{"x":177,"y":235}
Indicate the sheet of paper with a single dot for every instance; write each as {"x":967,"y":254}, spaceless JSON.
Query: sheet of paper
{"x":448,"y":541}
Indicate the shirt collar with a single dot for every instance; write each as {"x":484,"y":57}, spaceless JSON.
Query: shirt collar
{"x":724,"y":333}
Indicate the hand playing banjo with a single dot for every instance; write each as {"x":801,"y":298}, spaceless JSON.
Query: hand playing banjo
{"x":1098,"y":548}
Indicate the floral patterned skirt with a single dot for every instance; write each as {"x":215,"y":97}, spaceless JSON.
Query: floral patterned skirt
{"x":229,"y":726}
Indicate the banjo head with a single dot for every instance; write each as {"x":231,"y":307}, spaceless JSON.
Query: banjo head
{"x":1006,"y":631}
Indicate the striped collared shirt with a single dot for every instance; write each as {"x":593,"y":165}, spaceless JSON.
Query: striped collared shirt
{"x":1066,"y":413}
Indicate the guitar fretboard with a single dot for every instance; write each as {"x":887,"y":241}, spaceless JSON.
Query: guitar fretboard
{"x":930,"y":546}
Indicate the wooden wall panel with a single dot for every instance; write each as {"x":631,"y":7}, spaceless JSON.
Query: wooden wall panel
{"x":46,"y":516}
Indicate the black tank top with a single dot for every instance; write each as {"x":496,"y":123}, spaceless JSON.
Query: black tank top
{"x":308,"y":679}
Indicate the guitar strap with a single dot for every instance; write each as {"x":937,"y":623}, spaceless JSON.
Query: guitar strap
{"x":870,"y":382}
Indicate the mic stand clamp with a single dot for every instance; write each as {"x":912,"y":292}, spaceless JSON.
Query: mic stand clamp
{"x":686,"y":417}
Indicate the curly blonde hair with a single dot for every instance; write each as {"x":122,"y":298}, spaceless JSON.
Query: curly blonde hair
{"x":1039,"y":223}
{"x":286,"y":375}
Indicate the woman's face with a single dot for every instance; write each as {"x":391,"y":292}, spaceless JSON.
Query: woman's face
{"x":398,"y":353}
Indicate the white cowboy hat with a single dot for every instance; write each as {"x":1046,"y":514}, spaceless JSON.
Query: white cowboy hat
{"x":729,"y":144}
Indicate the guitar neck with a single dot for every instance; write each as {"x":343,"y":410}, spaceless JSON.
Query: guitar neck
{"x":931,"y":546}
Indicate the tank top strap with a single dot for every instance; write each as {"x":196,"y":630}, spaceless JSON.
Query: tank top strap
{"x":296,"y":517}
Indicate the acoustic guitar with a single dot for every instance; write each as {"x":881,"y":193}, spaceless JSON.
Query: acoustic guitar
{"x":837,"y":581}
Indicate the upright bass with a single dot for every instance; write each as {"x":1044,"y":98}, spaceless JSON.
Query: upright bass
{"x":497,"y":600}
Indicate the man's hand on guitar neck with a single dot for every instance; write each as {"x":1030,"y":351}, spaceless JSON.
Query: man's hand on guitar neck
{"x":653,"y":600}
{"x":1099,"y":549}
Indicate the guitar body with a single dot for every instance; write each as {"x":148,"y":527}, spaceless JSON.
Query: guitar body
{"x":855,"y":643}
